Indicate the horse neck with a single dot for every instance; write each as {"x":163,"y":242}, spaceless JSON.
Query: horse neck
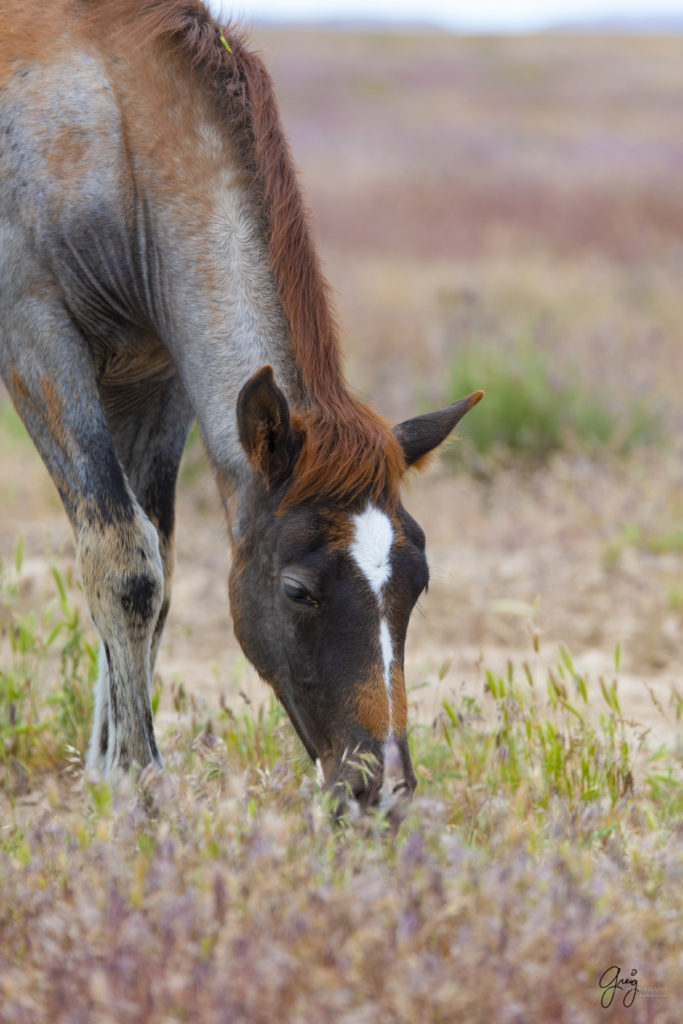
{"x":205,"y":250}
{"x":224,"y":318}
{"x":241,"y":282}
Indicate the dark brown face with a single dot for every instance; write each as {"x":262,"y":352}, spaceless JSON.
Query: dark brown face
{"x":321,"y":594}
{"x":321,"y":600}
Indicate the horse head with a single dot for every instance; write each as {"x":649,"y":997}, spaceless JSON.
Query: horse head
{"x":321,"y":593}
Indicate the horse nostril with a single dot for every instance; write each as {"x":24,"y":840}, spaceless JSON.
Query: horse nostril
{"x":367,"y":792}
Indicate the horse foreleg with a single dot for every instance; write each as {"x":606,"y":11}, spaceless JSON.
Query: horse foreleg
{"x":149,"y":421}
{"x":123,"y":579}
{"x":48,"y":370}
{"x":149,"y":433}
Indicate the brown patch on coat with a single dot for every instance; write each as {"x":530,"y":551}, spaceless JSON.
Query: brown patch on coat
{"x":236,"y":585}
{"x":68,"y":152}
{"x":339,"y":531}
{"x":49,"y":409}
{"x":372,"y":705}
{"x":52,"y":408}
{"x":32,"y":34}
{"x":18,"y":388}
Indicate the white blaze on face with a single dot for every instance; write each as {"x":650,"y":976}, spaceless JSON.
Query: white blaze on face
{"x":371,"y":551}
{"x":371,"y":548}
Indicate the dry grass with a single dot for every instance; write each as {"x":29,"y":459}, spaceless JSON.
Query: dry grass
{"x":208,"y":912}
{"x":543,"y":851}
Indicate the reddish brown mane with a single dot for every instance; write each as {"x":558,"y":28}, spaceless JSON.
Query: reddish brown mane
{"x":348,"y":449}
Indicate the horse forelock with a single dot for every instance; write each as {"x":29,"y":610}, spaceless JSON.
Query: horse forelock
{"x":347,"y":453}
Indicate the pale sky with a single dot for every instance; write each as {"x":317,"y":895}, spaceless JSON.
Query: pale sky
{"x":494,"y":15}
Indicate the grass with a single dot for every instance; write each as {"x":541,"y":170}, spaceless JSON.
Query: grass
{"x":38,"y":726}
{"x":534,"y":408}
{"x":541,"y":851}
{"x":649,"y":538}
{"x":11,"y":427}
{"x":194,"y":459}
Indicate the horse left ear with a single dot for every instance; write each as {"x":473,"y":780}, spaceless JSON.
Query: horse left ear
{"x":264,"y":427}
{"x":422,"y":434}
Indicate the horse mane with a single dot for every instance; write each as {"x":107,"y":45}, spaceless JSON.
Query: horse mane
{"x":348,"y":449}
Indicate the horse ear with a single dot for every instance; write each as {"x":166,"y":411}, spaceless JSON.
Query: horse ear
{"x":264,"y":426}
{"x":422,"y":434}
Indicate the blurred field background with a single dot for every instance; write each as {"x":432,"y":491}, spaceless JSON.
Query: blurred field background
{"x":503,"y":213}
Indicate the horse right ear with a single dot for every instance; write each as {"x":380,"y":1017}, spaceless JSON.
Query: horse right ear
{"x":423,"y":434}
{"x":264,"y":427}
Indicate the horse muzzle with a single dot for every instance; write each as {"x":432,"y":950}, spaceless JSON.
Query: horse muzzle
{"x":372,"y":775}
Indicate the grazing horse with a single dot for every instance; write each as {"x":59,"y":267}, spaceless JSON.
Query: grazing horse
{"x":156,"y":266}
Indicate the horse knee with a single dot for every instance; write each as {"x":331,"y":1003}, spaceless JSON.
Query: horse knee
{"x":123,"y":579}
{"x":141,"y":597}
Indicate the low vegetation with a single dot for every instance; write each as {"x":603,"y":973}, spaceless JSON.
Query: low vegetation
{"x":39,"y":726}
{"x":543,"y":849}
{"x":535,"y":408}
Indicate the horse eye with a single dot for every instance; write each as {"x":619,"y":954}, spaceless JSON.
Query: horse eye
{"x":296,"y":591}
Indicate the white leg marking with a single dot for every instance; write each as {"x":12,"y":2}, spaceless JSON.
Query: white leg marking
{"x":96,"y":759}
{"x":371,"y":551}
